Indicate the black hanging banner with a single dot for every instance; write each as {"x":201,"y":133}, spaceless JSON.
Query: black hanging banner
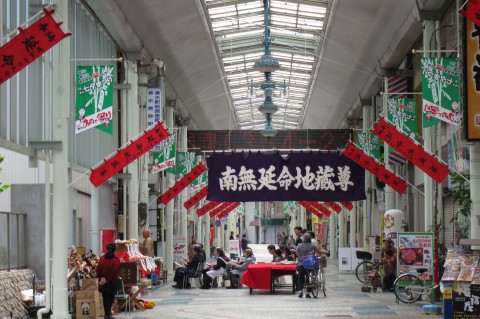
{"x":250,"y":177}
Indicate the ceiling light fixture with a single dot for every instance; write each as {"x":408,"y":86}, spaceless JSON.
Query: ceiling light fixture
{"x":267,"y":64}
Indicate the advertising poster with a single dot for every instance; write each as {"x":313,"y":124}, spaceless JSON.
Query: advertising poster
{"x":166,"y":158}
{"x":415,"y":251}
{"x":179,"y":247}
{"x":234,"y":247}
{"x":94,"y":98}
{"x":441,"y":83}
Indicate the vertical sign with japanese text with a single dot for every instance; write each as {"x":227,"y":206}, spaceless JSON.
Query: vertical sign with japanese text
{"x":370,"y":144}
{"x":472,"y":82}
{"x":94,"y":98}
{"x":441,"y":91}
{"x":154,"y":109}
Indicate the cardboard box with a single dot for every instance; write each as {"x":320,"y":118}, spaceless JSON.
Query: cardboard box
{"x":87,"y":294}
{"x":89,"y":309}
{"x":90,"y":284}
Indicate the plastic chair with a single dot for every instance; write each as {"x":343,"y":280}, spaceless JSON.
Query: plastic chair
{"x":197,"y":276}
{"x":122,"y":295}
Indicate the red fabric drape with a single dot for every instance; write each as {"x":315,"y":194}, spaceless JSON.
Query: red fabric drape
{"x":182,"y":183}
{"x":196,"y":198}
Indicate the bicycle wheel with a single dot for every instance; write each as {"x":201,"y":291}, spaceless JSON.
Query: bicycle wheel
{"x":313,"y":283}
{"x":321,"y":282}
{"x":408,"y":288}
{"x":363,"y":269}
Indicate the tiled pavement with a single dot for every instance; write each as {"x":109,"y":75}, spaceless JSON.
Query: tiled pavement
{"x":344,"y":300}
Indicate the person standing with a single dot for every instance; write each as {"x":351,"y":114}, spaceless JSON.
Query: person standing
{"x":305,"y":249}
{"x":298,"y":232}
{"x":107,"y":273}
{"x":147,"y":246}
{"x":231,"y":236}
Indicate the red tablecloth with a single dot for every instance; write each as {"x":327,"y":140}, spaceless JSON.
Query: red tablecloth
{"x":258,"y":276}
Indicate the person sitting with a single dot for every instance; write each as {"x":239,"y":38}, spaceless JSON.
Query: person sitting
{"x":271,"y":251}
{"x":253,"y":256}
{"x":287,"y":254}
{"x":238,"y":270}
{"x":390,"y":262}
{"x":215,"y":270}
{"x":189,"y":270}
{"x":277,"y":255}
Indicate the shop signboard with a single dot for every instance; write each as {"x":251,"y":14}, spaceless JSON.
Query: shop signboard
{"x":466,"y":300}
{"x":415,"y":251}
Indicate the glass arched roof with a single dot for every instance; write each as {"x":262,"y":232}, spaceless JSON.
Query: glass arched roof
{"x":295,"y":28}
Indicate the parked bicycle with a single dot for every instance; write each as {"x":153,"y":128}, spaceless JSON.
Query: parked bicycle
{"x":365,"y":268}
{"x":410,"y":287}
{"x":315,"y":274}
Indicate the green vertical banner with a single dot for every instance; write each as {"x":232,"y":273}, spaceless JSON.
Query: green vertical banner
{"x":370,"y":144}
{"x":441,"y":91}
{"x":165,"y":158}
{"x":94,"y":98}
{"x":402,"y":112}
{"x":186,"y":161}
{"x":200,"y":182}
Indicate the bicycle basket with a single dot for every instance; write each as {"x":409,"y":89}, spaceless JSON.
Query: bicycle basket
{"x":309,"y":262}
{"x":363,"y":255}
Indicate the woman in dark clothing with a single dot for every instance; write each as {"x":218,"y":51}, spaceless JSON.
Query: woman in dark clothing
{"x":107,"y":273}
{"x":215,"y":271}
{"x":189,"y":269}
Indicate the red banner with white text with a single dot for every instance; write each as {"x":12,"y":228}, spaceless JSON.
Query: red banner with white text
{"x":29,"y":45}
{"x":371,"y":165}
{"x":186,"y":180}
{"x":196,"y":198}
{"x":127,"y":155}
{"x":414,"y":152}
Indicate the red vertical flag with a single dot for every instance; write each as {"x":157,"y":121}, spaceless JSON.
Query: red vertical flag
{"x":309,"y":206}
{"x":414,"y":152}
{"x":29,"y":45}
{"x":347,"y":205}
{"x":182,"y":183}
{"x":127,"y":155}
{"x":371,"y":165}
{"x":196,"y":198}
{"x":220,"y":209}
{"x":472,"y":12}
{"x":206,"y":208}
{"x":228,"y":210}
{"x":334,"y":206}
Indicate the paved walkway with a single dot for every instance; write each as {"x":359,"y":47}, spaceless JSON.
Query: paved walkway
{"x":344,"y":300}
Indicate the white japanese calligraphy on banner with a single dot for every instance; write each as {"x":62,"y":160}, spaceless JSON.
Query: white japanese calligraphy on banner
{"x":322,"y":179}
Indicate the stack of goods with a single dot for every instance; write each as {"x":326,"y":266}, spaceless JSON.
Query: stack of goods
{"x":460,"y":267}
{"x":89,"y":302}
{"x":83,"y":265}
